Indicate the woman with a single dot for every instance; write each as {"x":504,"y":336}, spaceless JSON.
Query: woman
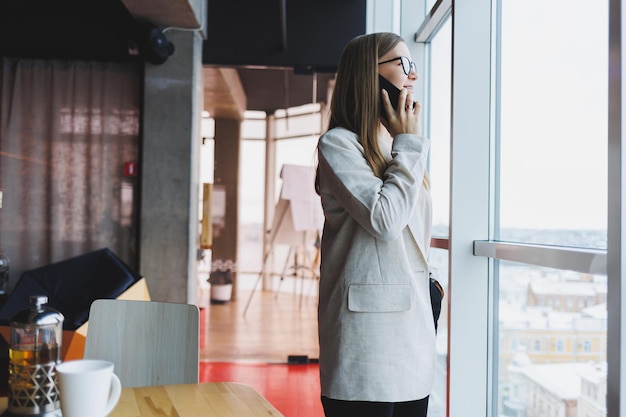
{"x":376,"y":330}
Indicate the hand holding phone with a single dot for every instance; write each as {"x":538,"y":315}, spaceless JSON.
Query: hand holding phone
{"x":401,"y":123}
{"x":392,"y":91}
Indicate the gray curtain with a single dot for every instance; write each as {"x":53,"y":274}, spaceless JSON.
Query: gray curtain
{"x":68,"y":130}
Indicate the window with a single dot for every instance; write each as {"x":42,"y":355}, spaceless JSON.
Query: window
{"x":522,"y":321}
{"x":542,"y":88}
{"x":436,"y":110}
{"x":297,"y":130}
{"x":437,"y":402}
{"x":560,"y":346}
{"x":546,"y":82}
{"x":439,"y":127}
{"x":537,"y":86}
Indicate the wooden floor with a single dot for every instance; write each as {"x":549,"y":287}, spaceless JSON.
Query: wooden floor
{"x":275,"y":326}
{"x":253,"y":349}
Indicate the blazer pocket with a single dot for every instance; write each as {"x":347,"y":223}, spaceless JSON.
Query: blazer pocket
{"x":379,"y":298}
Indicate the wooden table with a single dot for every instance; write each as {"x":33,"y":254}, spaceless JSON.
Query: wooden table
{"x":211,"y":399}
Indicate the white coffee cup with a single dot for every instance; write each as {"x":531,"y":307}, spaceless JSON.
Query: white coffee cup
{"x":87,"y":387}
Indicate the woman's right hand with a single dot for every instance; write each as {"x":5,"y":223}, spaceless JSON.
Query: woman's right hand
{"x":406,"y":118}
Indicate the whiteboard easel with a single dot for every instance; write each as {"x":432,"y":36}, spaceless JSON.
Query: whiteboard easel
{"x":298,"y":214}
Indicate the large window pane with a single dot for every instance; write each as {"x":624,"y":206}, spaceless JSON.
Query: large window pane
{"x":440,"y":78}
{"x":290,"y":149}
{"x":251,"y":196}
{"x":553,"y":167}
{"x":437,"y":110}
{"x":551,"y":342}
{"x":552,"y":184}
{"x":251,"y":204}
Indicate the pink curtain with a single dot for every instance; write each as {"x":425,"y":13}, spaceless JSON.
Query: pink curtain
{"x":68,"y":130}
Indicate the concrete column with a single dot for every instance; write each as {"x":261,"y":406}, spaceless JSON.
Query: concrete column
{"x":226,"y":177}
{"x":169,"y":224}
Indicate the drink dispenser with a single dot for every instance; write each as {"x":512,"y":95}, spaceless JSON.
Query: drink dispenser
{"x":35,"y":351}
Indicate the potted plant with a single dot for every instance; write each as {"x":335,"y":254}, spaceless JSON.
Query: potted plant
{"x":221,"y":280}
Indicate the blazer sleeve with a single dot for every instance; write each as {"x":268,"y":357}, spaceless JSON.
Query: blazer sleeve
{"x":383,"y":207}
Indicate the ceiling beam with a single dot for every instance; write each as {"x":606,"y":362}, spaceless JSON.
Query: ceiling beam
{"x":224,"y":96}
{"x":184,"y":14}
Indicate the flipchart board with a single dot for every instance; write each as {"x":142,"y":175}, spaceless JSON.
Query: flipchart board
{"x":298,"y":210}
{"x":297,"y":216}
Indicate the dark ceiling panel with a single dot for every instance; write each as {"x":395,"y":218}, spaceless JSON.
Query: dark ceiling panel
{"x":65,"y":29}
{"x":241,"y":34}
{"x":281,"y":61}
{"x":250,"y":32}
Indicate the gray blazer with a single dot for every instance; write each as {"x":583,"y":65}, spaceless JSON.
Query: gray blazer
{"x":376,"y":330}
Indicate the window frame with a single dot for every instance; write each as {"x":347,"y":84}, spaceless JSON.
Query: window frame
{"x":471,"y":372}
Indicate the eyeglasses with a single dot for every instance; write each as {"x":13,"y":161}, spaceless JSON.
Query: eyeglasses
{"x":407,"y":64}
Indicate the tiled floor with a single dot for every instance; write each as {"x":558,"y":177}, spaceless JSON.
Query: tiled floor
{"x":292,"y":389}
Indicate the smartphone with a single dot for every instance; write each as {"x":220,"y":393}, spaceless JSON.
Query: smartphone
{"x":392,"y":90}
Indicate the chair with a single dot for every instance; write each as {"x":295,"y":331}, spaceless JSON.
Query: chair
{"x":72,"y":285}
{"x":149,"y":342}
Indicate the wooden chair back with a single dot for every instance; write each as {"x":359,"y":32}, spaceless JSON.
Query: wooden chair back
{"x":149,"y":342}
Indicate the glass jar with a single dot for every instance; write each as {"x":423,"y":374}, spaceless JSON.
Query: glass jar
{"x":35,"y":350}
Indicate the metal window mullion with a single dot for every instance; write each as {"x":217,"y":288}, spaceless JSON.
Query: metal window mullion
{"x":616,"y":256}
{"x":494,"y":208}
{"x":469,"y":351}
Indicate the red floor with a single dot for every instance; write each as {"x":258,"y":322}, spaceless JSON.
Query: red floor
{"x":293,"y":389}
